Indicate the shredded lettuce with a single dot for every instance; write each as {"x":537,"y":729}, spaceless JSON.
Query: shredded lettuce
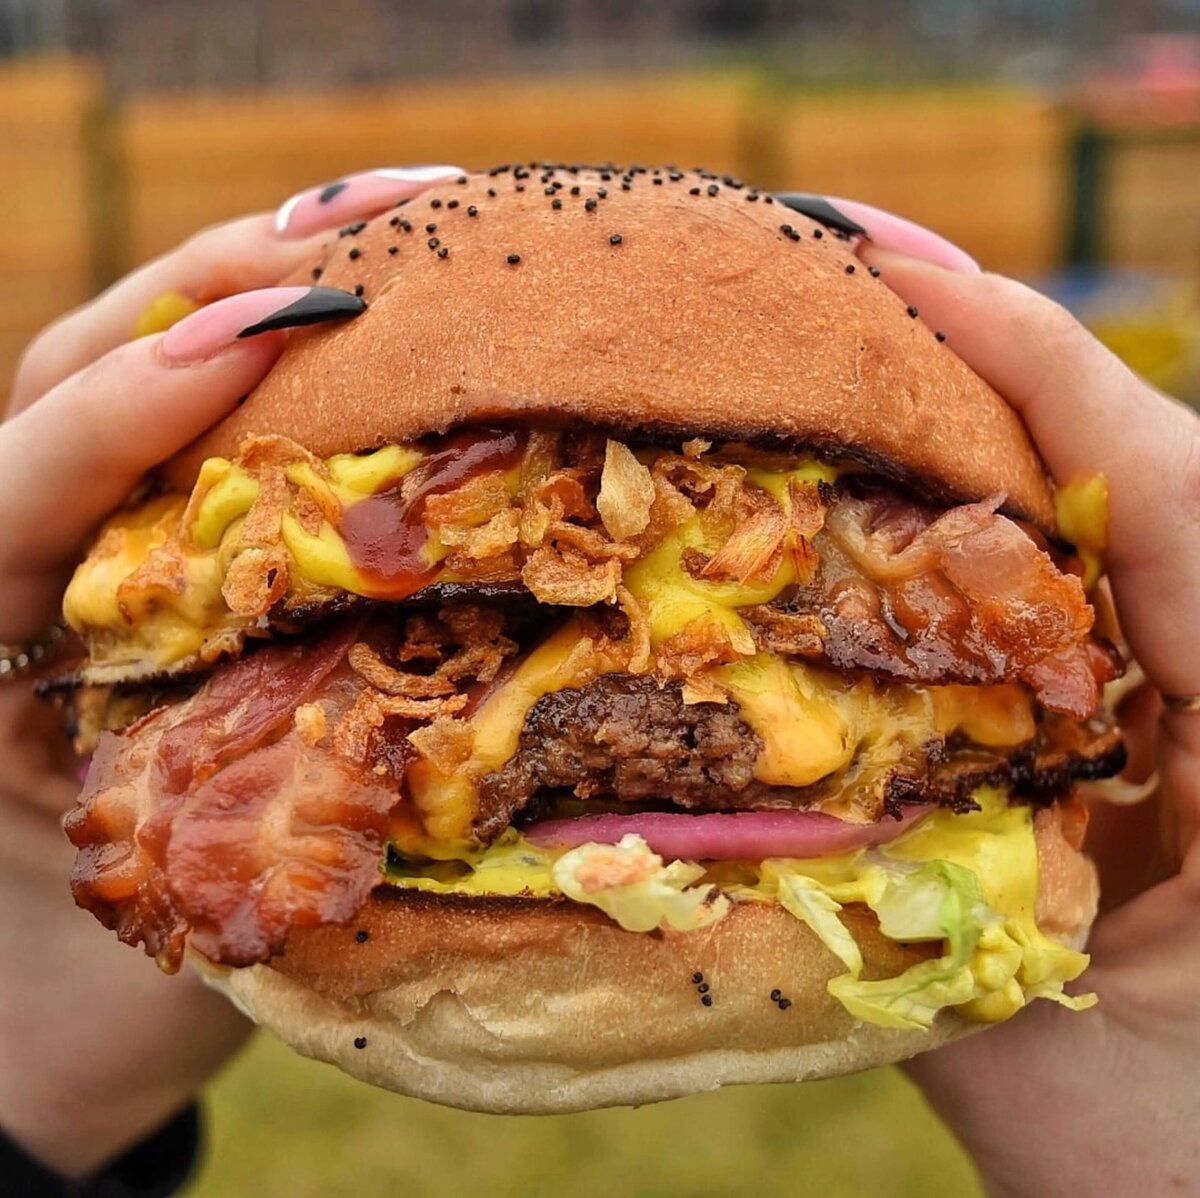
{"x":632,"y":886}
{"x":938,"y":901}
{"x":993,"y":964}
{"x":809,"y":902}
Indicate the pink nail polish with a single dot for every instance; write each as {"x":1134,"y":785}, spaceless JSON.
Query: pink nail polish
{"x":891,"y":232}
{"x":207,"y":332}
{"x":364,"y":194}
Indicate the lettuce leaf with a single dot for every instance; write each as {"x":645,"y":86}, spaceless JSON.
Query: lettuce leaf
{"x":991,"y":968}
{"x":938,"y":901}
{"x":630,"y":884}
{"x":811,"y":904}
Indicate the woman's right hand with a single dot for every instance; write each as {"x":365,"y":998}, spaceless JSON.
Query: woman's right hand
{"x":96,"y":1047}
{"x":1058,"y":1103}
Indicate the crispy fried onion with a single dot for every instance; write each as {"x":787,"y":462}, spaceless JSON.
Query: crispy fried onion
{"x":445,"y":742}
{"x":755,"y":547}
{"x":691,"y":655}
{"x":704,"y":642}
{"x":568,"y":577}
{"x":255,"y":580}
{"x":638,"y":638}
{"x":461,"y":643}
{"x":759,"y":531}
{"x":807,"y":519}
{"x":578,"y":507}
{"x":626,"y":493}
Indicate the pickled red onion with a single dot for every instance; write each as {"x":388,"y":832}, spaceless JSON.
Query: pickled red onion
{"x":725,"y":836}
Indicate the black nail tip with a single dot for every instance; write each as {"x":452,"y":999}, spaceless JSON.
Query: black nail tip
{"x":319,"y":304}
{"x":331,"y":191}
{"x":820,"y":209}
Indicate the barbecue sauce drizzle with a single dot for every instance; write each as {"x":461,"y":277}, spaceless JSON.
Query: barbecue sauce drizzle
{"x":385,"y":533}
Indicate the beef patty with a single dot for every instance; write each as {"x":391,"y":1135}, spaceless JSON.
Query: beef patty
{"x":626,"y":741}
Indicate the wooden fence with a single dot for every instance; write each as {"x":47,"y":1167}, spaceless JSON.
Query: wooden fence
{"x":91,"y":189}
{"x":47,"y":234}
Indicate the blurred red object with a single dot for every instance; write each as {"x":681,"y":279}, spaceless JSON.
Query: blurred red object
{"x":1146,"y":80}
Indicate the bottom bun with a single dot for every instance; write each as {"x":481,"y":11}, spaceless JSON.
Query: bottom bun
{"x":537,"y":1006}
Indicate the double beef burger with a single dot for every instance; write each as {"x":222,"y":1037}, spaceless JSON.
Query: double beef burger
{"x":633,"y":656}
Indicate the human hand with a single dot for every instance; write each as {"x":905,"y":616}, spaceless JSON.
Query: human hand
{"x":1056,"y":1103}
{"x":97,"y":1048}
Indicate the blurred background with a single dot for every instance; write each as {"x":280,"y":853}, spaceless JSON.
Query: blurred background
{"x":1057,"y":140}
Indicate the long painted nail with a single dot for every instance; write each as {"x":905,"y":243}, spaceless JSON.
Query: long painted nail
{"x":818,"y":208}
{"x":883,"y":229}
{"x":364,"y":194}
{"x":205,"y":333}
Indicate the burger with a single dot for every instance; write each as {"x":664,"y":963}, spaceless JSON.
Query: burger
{"x":635,"y":655}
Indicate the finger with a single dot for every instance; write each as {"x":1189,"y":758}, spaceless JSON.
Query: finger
{"x":357,"y":196}
{"x":1087,"y":412}
{"x":1179,"y":752}
{"x":242,"y":255}
{"x":883,"y":229}
{"x":71,"y":458}
{"x":1115,"y":823}
{"x":239,"y":256}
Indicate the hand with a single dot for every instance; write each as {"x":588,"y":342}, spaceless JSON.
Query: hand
{"x":1058,"y":1103}
{"x":97,"y":1048}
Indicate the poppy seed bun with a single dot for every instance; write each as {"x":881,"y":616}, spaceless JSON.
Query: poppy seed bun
{"x":648,"y":309}
{"x":536,"y":1006}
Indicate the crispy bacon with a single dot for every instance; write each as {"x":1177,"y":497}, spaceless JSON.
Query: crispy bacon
{"x":245,"y":703}
{"x":964,"y":596}
{"x":217,"y":818}
{"x":262,"y":801}
{"x":284,"y":836}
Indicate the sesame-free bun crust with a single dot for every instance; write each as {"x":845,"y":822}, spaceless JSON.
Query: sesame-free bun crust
{"x":704,"y":319}
{"x":534,"y":1006}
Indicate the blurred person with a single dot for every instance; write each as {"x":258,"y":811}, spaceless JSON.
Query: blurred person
{"x":101,"y":1056}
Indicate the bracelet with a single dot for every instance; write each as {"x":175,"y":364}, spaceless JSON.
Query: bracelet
{"x":18,"y":660}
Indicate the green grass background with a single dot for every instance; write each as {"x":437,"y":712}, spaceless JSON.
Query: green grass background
{"x":281,"y":1126}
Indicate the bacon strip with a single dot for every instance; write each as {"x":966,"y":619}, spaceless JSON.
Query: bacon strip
{"x":245,"y":703}
{"x":965,"y":596}
{"x":251,"y":831}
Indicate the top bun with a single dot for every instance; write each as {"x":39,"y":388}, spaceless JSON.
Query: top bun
{"x":661,"y":303}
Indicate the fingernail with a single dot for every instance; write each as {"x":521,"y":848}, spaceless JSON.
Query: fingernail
{"x":205,"y":333}
{"x":883,"y":229}
{"x":334,"y":203}
{"x":822,"y":211}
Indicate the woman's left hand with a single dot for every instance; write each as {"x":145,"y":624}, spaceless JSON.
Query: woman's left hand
{"x":97,"y":1048}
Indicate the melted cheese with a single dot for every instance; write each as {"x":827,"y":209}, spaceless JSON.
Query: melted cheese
{"x":810,"y":725}
{"x":813,"y":723}
{"x":229,"y":492}
{"x":447,"y":802}
{"x":1081,"y":508}
{"x":129,"y":621}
